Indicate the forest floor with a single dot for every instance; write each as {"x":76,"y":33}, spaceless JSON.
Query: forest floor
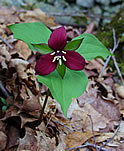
{"x":95,"y":119}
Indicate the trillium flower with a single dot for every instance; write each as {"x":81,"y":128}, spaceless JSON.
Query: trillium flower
{"x":61,"y":52}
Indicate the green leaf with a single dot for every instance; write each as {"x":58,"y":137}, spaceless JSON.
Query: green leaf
{"x":43,"y":48}
{"x":63,"y":90}
{"x":61,"y":70}
{"x":73,"y":45}
{"x":91,"y":47}
{"x":3,"y":100}
{"x":31,"y":33}
{"x":4,"y":108}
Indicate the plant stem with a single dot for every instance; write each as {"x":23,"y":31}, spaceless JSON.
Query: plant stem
{"x":44,"y":105}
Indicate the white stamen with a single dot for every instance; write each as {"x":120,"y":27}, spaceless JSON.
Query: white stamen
{"x":54,"y":59}
{"x":63,"y":58}
{"x":53,"y":53}
{"x":58,"y":57}
{"x":60,"y":62}
{"x":64,"y":52}
{"x":58,"y":51}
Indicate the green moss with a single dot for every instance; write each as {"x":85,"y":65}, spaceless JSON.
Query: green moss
{"x":105,"y":35}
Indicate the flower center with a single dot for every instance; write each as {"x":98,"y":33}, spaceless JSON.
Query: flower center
{"x":59,"y":56}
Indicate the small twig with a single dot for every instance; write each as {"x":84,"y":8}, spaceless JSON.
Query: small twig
{"x":65,"y":126}
{"x":92,"y":129}
{"x":3,"y":90}
{"x":98,"y":148}
{"x":116,"y":43}
{"x":6,"y":42}
{"x":111,"y":139}
{"x":44,"y":105}
{"x":87,"y":144}
{"x":117,"y":68}
{"x":47,"y":124}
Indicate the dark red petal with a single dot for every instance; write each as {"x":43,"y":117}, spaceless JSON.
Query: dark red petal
{"x":45,"y":65}
{"x":57,"y":40}
{"x":74,"y":60}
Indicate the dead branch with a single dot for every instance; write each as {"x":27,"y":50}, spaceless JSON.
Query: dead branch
{"x":111,"y":139}
{"x":92,"y":130}
{"x":88,"y":145}
{"x":116,"y":43}
{"x":117,"y":68}
{"x":62,"y":124}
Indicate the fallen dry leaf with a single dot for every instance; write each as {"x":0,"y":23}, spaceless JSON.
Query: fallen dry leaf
{"x":3,"y":140}
{"x":44,"y":142}
{"x":8,"y":16}
{"x":102,"y":111}
{"x":2,"y":29}
{"x":4,"y":52}
{"x":28,"y":142}
{"x":20,"y":66}
{"x":62,"y":145}
{"x":95,"y":64}
{"x":120,"y":90}
{"x":77,"y":138}
{"x":81,"y":121}
{"x":37,"y":15}
{"x":23,"y":49}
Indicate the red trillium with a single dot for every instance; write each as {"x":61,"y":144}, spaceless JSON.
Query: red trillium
{"x":59,"y":54}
